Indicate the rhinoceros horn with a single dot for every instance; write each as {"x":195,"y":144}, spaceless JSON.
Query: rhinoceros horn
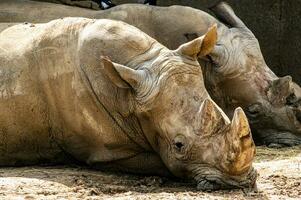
{"x":240,"y":124}
{"x":200,"y":46}
{"x":238,"y":136}
{"x":243,"y":146}
{"x":212,"y":118}
{"x":225,"y":13}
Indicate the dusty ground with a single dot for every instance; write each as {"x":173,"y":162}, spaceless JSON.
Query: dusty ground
{"x":280,"y":178}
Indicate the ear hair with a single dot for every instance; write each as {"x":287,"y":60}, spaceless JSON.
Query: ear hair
{"x":122,"y":76}
{"x":112,"y":73}
{"x":200,"y":46}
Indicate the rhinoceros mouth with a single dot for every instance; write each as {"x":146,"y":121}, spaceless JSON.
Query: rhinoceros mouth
{"x":273,"y":138}
{"x":211,"y":179}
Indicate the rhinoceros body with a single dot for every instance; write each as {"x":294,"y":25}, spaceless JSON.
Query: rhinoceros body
{"x":236,"y":64}
{"x":46,"y":104}
{"x":146,"y":112}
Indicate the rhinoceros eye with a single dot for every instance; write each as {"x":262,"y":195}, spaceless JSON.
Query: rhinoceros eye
{"x":179,"y":143}
{"x":253,"y":110}
{"x":291,"y":100}
{"x":211,"y":60}
{"x":219,"y":56}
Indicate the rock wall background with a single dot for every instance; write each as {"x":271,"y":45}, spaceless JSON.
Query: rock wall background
{"x":276,"y":24}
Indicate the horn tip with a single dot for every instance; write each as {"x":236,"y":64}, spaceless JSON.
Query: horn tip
{"x":240,"y":122}
{"x":212,"y":31}
{"x":239,"y":111}
{"x":105,"y":58}
{"x":208,"y":102}
{"x":213,"y":27}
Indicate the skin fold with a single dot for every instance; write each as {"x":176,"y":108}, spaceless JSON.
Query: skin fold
{"x":235,"y":72}
{"x":107,"y":94}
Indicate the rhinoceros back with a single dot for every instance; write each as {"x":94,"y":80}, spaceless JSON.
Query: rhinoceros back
{"x":45,"y":106}
{"x":26,"y":52}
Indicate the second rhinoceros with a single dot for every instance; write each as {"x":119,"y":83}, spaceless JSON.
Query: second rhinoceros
{"x":235,"y":75}
{"x":146,"y":112}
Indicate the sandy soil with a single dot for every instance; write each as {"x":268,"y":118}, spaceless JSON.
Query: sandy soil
{"x":280,"y":178}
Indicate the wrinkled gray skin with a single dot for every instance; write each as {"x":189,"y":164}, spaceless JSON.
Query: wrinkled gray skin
{"x":239,"y":72}
{"x":235,"y":75}
{"x":150,"y":113}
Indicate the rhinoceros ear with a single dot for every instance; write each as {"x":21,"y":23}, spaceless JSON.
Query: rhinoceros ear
{"x":200,"y":46}
{"x":122,"y":76}
{"x":280,"y":89}
{"x":225,"y":13}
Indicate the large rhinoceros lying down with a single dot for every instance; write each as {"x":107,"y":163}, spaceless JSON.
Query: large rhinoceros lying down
{"x":235,"y":76}
{"x":150,"y":113}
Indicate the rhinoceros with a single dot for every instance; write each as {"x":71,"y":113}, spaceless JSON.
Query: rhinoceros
{"x":146,"y":112}
{"x":235,"y":72}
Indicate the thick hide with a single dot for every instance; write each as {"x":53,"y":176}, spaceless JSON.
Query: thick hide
{"x":146,"y":112}
{"x":235,"y":72}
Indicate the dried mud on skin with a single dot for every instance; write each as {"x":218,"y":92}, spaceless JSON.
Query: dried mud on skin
{"x":280,"y":178}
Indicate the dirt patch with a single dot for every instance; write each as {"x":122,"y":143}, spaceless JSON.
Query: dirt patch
{"x":280,"y":178}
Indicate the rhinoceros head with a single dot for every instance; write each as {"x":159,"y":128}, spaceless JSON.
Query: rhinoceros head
{"x":237,"y":75}
{"x":192,"y":135}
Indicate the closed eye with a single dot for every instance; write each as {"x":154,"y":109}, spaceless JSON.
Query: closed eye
{"x":253,"y":110}
{"x":292,"y":100}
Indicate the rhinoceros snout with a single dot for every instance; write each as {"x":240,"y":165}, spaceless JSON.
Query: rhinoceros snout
{"x":211,"y":179}
{"x":224,"y":182}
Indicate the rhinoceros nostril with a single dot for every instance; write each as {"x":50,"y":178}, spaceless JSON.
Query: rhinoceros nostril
{"x":206,"y":185}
